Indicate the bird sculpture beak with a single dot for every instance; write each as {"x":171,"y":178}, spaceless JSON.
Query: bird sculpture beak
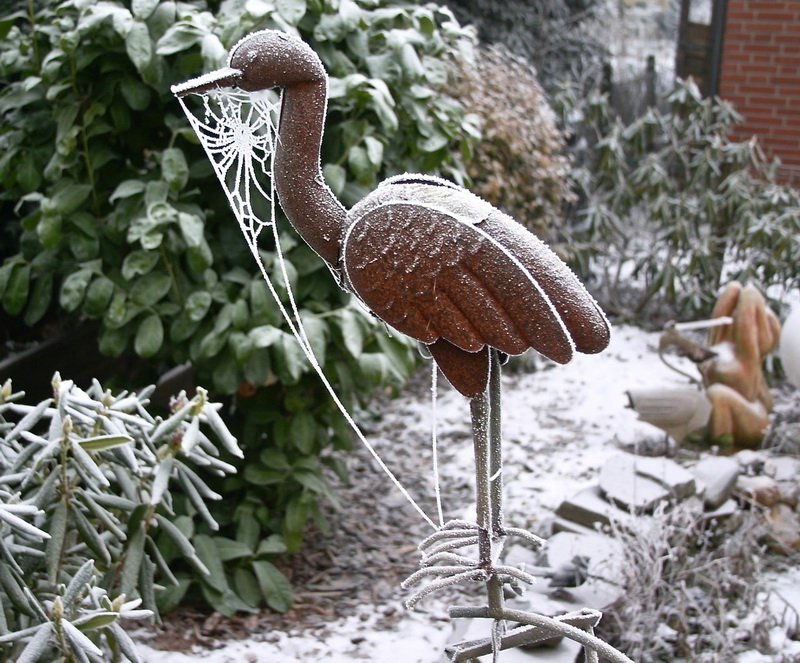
{"x":221,"y":78}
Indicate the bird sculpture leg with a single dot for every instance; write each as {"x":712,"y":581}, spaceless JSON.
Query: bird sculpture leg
{"x":486,"y":435}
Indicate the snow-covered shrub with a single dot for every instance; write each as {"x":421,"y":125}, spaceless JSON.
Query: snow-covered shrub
{"x":85,"y":479}
{"x":677,"y":204}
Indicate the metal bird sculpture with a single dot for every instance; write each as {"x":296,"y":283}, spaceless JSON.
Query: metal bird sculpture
{"x":429,"y":258}
{"x":440,"y":265}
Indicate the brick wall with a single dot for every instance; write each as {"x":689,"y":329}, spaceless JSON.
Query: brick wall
{"x":760,"y":74}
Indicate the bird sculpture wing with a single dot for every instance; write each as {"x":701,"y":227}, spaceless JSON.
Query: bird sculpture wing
{"x":450,"y":280}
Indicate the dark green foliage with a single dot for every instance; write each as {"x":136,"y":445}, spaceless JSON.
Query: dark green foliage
{"x":117,"y":217}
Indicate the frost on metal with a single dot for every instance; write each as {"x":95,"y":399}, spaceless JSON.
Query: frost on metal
{"x":430,"y":259}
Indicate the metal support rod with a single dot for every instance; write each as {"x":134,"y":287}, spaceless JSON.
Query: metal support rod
{"x":555,"y":626}
{"x":495,"y":445}
{"x":479,"y":408}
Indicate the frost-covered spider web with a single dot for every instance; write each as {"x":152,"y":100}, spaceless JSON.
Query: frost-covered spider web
{"x":238,"y":131}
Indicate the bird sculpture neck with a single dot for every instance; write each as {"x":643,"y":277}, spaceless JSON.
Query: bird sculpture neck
{"x":308,"y":202}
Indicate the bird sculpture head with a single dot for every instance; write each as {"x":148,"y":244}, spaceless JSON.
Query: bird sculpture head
{"x":261,"y":61}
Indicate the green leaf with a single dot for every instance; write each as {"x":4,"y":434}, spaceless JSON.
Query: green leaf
{"x":289,"y":360}
{"x":353,"y":333}
{"x":70,"y":197}
{"x":317,"y":335}
{"x":359,"y":164}
{"x":175,"y":169}
{"x":138,"y":45}
{"x":139,"y":263}
{"x":73,"y":289}
{"x":229,"y":549}
{"x":296,"y":515}
{"x":138,"y":97}
{"x":197,"y":305}
{"x":179,"y":37}
{"x":192,"y":228}
{"x":247,"y":529}
{"x":17,"y":288}
{"x":246,"y":586}
{"x":127,"y":188}
{"x":40,"y":299}
{"x":264,"y":336}
{"x":335,"y":176}
{"x":29,"y":176}
{"x":263,"y":308}
{"x":272,"y":545}
{"x":303,"y":431}
{"x":98,"y":296}
{"x":209,"y":555}
{"x":149,"y":337}
{"x":374,"y":149}
{"x":103,"y":442}
{"x":274,"y":586}
{"x":258,"y":475}
{"x":150,"y":289}
{"x":49,"y":229}
{"x":292,"y":11}
{"x":96,"y":620}
{"x":199,"y":257}
{"x":143,"y":9}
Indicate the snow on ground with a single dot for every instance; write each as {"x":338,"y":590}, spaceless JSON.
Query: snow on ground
{"x":560,"y":424}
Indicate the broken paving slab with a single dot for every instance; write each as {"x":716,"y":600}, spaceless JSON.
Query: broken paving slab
{"x":641,"y":483}
{"x":604,"y":553}
{"x":716,"y":476}
{"x":588,"y":508}
{"x":665,"y":471}
{"x":783,"y":468}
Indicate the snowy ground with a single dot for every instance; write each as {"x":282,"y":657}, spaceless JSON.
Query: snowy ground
{"x":560,"y":424}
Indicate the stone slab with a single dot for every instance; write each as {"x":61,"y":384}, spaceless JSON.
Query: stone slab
{"x":783,"y":468}
{"x":621,"y":485}
{"x":674,"y":477}
{"x":760,"y":489}
{"x":588,"y":507}
{"x":604,"y":554}
{"x":717,"y":475}
{"x":641,"y":483}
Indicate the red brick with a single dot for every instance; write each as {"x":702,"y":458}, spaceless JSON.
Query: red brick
{"x":752,"y":87}
{"x":782,"y":17}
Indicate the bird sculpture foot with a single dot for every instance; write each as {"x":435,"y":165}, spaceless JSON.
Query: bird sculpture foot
{"x":440,"y":561}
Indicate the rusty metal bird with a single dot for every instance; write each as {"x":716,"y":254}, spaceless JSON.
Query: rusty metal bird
{"x":428,"y":257}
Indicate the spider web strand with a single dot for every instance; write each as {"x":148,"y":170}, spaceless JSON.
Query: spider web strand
{"x":235,"y":140}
